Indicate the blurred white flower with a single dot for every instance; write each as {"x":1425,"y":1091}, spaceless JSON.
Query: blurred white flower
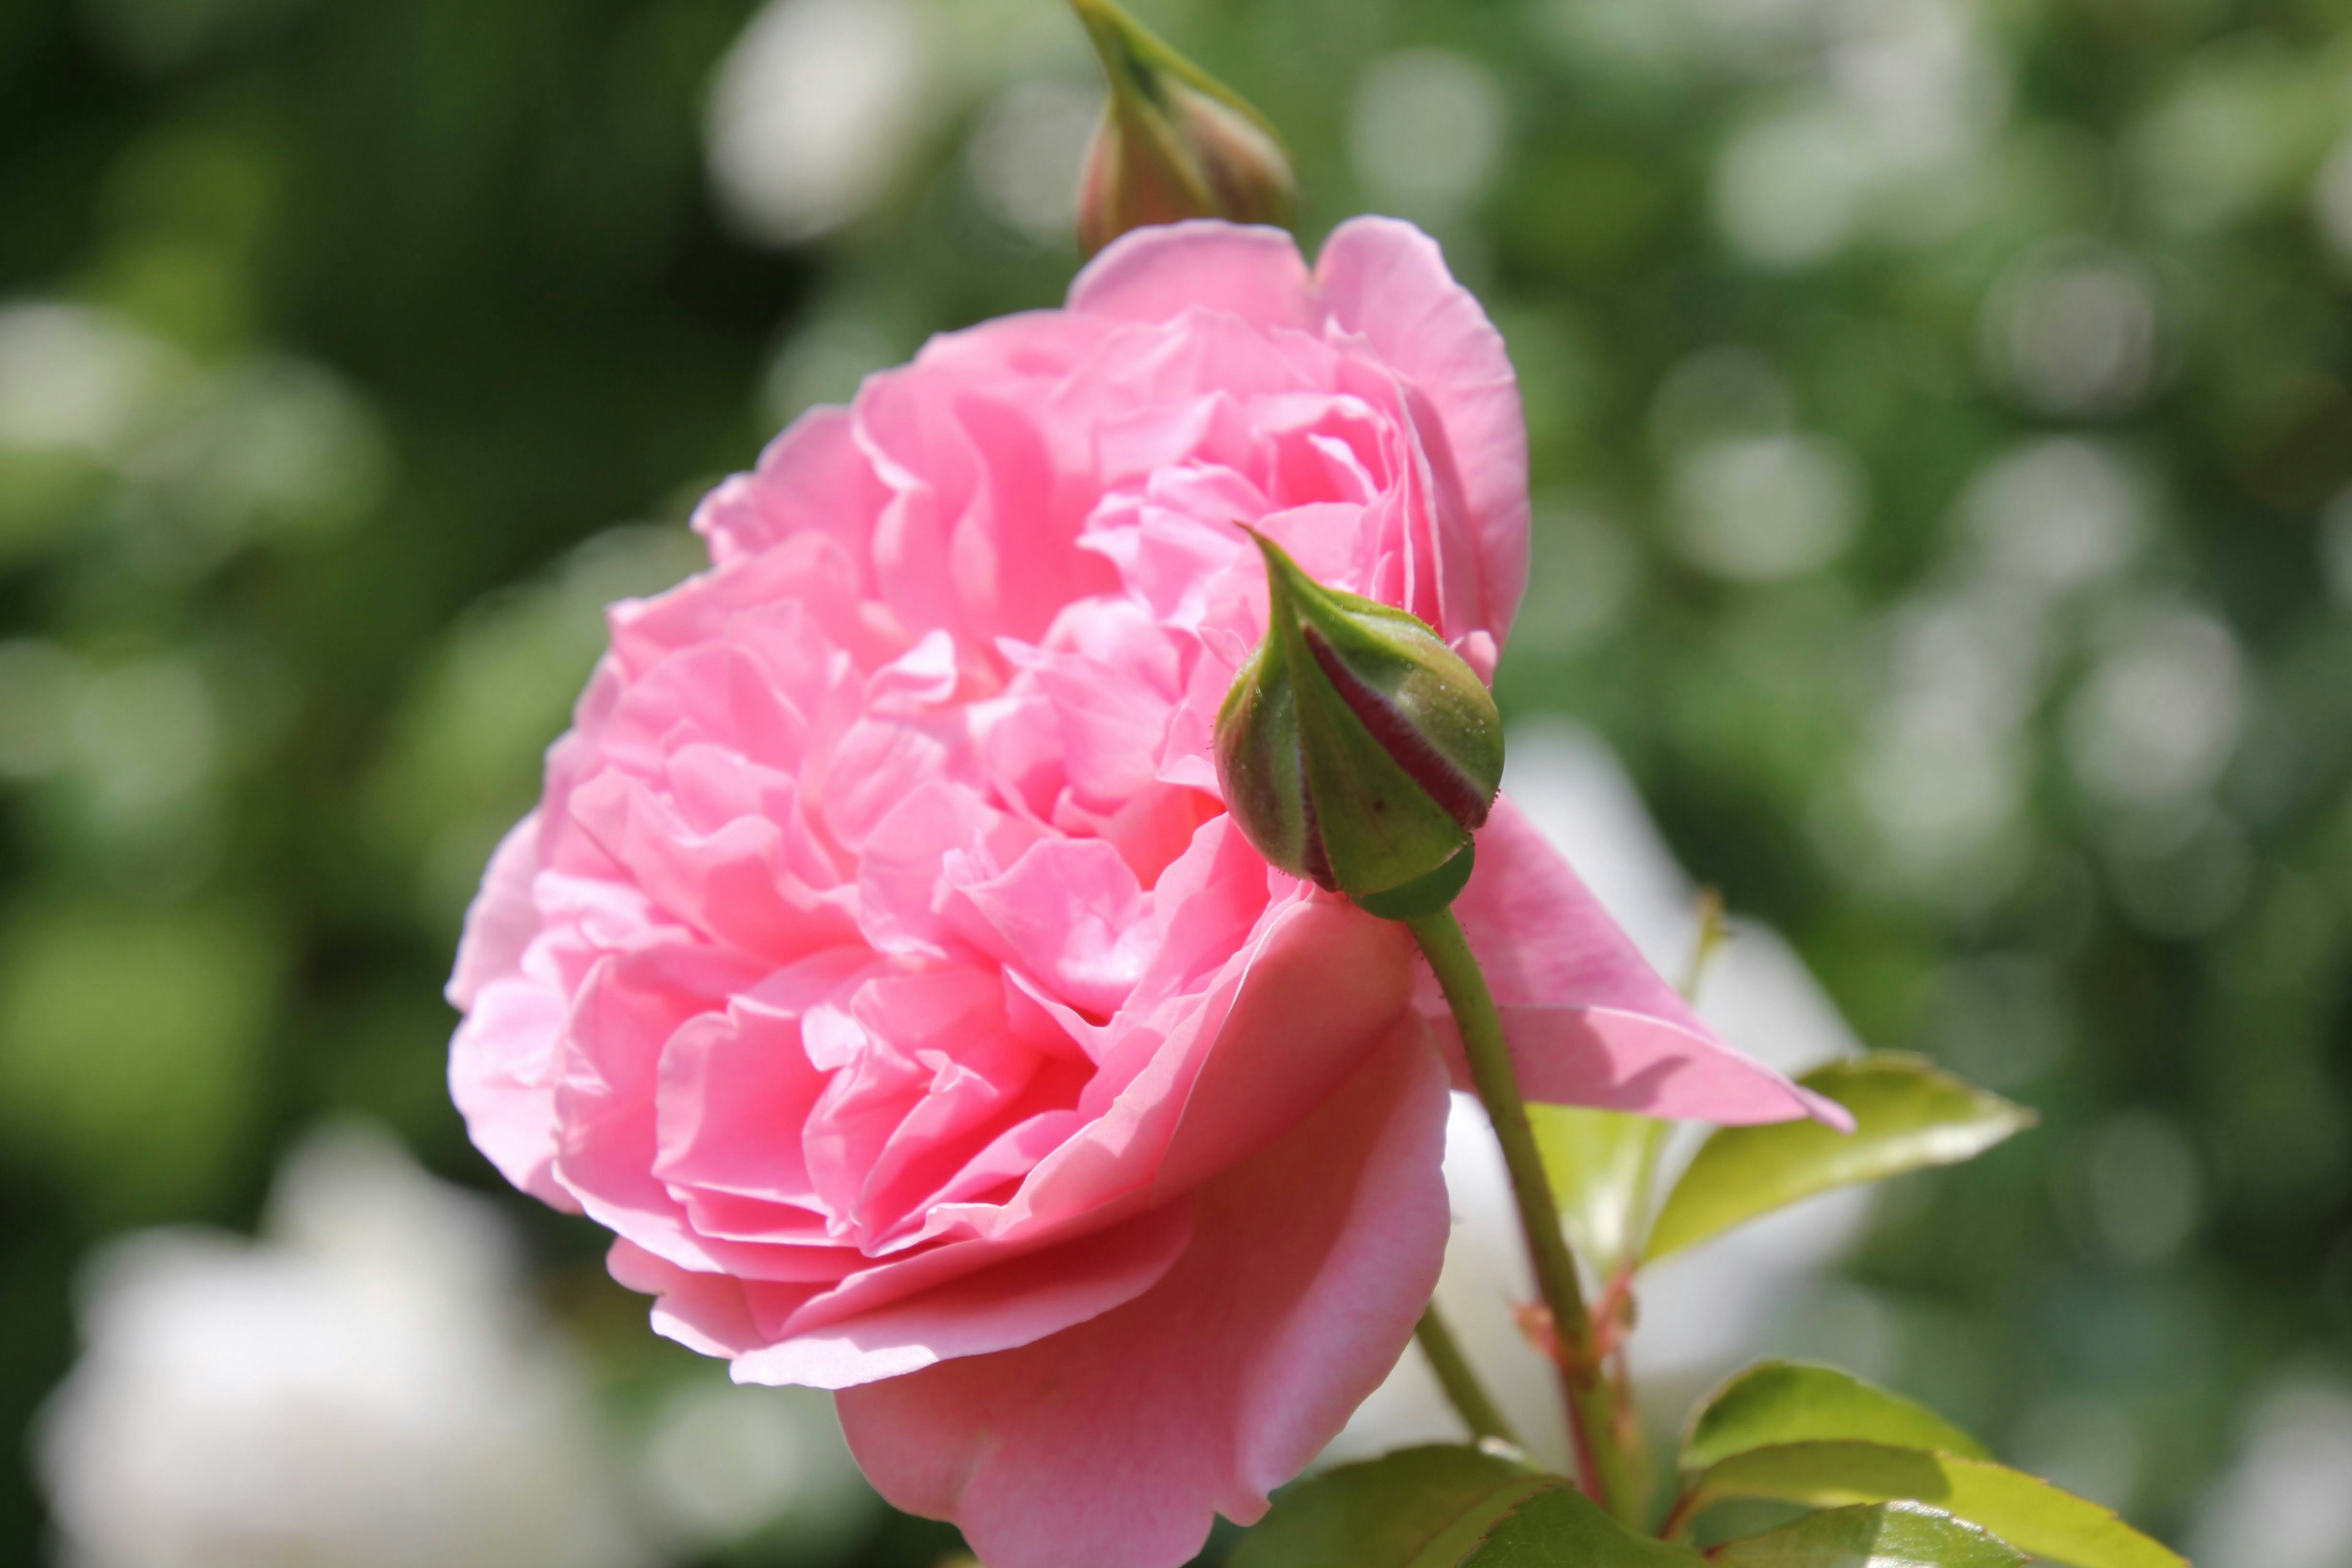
{"x":2158,"y":718}
{"x":1789,"y":189}
{"x":1024,"y":155}
{"x":2331,"y":198}
{"x":2231,"y":134}
{"x":2053,"y":513}
{"x":727,"y":1461}
{"x":815,"y":111}
{"x":1427,"y":131}
{"x":2073,"y":329}
{"x":1708,"y":1309}
{"x":2285,"y":1504}
{"x":1897,"y":91}
{"x":364,"y":1386}
{"x":1753,"y":509}
{"x":79,"y":379}
{"x":1941,"y":770}
{"x":2143,"y":1187}
{"x":271,"y":447}
{"x":146,"y":733}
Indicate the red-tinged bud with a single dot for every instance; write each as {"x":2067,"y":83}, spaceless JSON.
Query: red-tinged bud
{"x":1174,"y":144}
{"x":1357,"y":749}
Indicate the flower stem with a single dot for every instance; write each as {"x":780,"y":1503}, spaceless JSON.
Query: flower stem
{"x":1603,"y":1466}
{"x":1462,"y":1390}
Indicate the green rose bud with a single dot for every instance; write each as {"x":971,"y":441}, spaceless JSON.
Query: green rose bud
{"x":1173,"y":143}
{"x":1357,"y":749}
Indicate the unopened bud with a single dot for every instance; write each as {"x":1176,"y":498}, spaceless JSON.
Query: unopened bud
{"x":1174,"y":144}
{"x":1357,"y":749}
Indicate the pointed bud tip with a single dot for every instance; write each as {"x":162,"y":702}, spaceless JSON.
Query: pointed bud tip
{"x":1173,"y":142}
{"x":1356,"y":747}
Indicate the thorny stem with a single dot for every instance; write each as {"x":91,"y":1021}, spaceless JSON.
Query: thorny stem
{"x":1462,"y":1390}
{"x":1602,"y":1465}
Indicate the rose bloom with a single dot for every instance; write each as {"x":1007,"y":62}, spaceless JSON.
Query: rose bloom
{"x":881,"y":967}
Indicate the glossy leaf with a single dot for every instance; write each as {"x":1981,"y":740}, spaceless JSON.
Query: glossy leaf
{"x":1596,"y":1162}
{"x":1777,"y":1402}
{"x":2027,"y":1512}
{"x":1882,"y":1535}
{"x":1420,"y":1508}
{"x":1908,"y":1114}
{"x":1563,"y":1528}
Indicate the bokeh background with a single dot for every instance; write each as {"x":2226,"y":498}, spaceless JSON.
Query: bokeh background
{"x":1943,"y":451}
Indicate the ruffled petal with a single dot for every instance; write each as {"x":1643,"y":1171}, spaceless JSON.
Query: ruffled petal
{"x":1156,"y":273}
{"x":811,"y":476}
{"x":1015,"y":1303}
{"x":502,"y":919}
{"x":1387,"y":281}
{"x":1113,"y":1443}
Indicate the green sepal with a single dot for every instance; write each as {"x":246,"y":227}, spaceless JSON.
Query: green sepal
{"x":1356,"y":748}
{"x":1427,"y":895}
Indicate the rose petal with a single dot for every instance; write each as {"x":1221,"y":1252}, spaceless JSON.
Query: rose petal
{"x":1588,"y":1021}
{"x":1387,"y":281}
{"x":1117,"y":1440}
{"x":1015,"y":1303}
{"x":1156,"y":273}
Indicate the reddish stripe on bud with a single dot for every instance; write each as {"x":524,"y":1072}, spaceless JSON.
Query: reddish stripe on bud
{"x":1427,"y":766}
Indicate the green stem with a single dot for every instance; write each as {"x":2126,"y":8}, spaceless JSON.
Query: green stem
{"x":1603,"y":1466}
{"x":1462,"y":1390}
{"x":1678,"y":1518}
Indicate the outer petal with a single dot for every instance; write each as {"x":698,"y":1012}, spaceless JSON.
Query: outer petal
{"x":1110,"y":1444}
{"x":503,"y":1067}
{"x":502,"y":919}
{"x":1156,"y":273}
{"x":811,"y":476}
{"x":1590,"y":1022}
{"x":1012,"y":1304}
{"x":1387,"y":281}
{"x":1291,"y":1020}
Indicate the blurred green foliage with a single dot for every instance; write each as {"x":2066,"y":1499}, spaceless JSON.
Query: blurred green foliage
{"x":1942,"y":431}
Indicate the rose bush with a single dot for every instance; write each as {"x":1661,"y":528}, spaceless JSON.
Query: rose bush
{"x":879,"y":964}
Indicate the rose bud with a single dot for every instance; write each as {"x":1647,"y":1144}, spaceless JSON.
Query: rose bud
{"x":1174,"y":144}
{"x":1357,"y":749}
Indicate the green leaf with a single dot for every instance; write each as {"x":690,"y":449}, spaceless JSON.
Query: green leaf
{"x":1882,"y":1535}
{"x":1908,"y":1114}
{"x":1563,"y":1528}
{"x":1420,"y":1508}
{"x":2029,"y":1514}
{"x":1597,"y":1162}
{"x":1777,"y":1402}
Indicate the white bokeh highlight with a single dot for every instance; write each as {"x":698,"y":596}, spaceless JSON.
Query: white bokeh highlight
{"x":815,"y":111}
{"x":364,"y":1387}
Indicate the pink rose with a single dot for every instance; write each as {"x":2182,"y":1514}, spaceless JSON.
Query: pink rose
{"x":880,"y":965}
